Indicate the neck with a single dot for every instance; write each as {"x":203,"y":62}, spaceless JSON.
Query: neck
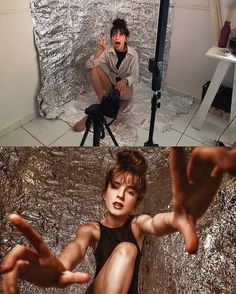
{"x":122,"y":50}
{"x":114,"y":221}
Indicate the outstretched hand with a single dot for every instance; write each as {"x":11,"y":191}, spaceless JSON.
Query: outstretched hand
{"x":38,"y":266}
{"x":195,"y":185}
{"x":221,"y":159}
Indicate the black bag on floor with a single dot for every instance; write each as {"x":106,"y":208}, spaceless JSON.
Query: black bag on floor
{"x":222,"y":99}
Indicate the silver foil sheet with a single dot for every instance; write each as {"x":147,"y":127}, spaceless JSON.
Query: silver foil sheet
{"x":66,"y":34}
{"x":133,"y":115}
{"x":57,"y":189}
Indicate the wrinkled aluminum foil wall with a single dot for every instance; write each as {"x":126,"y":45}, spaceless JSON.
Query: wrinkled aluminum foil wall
{"x":59,"y":188}
{"x":66,"y":34}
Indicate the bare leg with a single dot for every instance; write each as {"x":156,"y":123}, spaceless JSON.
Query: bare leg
{"x":101,"y":83}
{"x":116,"y":275}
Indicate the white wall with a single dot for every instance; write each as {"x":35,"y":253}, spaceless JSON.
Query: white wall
{"x":19,"y":78}
{"x":229,"y":11}
{"x":192,"y":37}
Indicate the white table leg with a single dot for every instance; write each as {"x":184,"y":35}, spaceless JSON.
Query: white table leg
{"x":232,"y":131}
{"x":210,"y":95}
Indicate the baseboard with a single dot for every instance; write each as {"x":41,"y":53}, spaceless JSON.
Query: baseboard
{"x":6,"y":130}
{"x":28,"y":118}
{"x":9,"y":128}
{"x":182,"y":93}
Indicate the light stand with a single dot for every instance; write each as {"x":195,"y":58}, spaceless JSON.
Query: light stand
{"x":156,"y":65}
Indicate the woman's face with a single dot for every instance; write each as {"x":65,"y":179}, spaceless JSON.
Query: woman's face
{"x":120,"y":197}
{"x":119,"y":40}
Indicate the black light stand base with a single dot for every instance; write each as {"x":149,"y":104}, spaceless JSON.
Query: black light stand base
{"x":155,"y":105}
{"x":220,"y":144}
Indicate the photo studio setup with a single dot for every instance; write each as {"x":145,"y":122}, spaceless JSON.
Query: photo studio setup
{"x":45,"y":79}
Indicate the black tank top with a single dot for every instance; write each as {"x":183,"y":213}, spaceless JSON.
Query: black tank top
{"x":121,"y":55}
{"x":109,"y":239}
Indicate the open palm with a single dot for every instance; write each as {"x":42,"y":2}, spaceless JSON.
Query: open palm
{"x":38,"y":265}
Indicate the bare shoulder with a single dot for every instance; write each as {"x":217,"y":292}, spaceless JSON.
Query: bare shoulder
{"x":90,"y":229}
{"x":137,"y":228}
{"x":139,"y":220}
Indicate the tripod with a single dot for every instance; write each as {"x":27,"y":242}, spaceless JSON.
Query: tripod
{"x":156,"y":66}
{"x":97,"y":119}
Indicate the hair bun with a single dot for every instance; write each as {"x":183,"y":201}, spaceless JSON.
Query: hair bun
{"x":134,"y":158}
{"x":119,"y":22}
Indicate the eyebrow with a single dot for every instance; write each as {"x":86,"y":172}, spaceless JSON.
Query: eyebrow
{"x":120,"y":183}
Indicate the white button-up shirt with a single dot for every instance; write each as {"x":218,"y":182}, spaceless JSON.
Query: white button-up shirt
{"x":129,"y":68}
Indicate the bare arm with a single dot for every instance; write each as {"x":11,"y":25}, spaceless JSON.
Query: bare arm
{"x":159,"y":225}
{"x":75,"y":252}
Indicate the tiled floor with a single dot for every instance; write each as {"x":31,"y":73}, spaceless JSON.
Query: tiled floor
{"x":42,"y":132}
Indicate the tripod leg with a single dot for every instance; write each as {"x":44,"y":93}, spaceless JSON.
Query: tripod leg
{"x":88,"y":124}
{"x":84,"y":137}
{"x":97,"y":130}
{"x":110,"y":132}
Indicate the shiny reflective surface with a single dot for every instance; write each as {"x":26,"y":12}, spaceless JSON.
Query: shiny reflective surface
{"x":57,"y":189}
{"x":133,"y":115}
{"x":66,"y":34}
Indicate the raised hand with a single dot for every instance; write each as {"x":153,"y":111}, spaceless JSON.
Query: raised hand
{"x":221,"y":160}
{"x":38,"y":266}
{"x":193,"y":192}
{"x":102,"y":43}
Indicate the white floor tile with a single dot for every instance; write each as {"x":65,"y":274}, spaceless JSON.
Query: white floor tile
{"x":181,"y":122}
{"x":142,"y":137}
{"x":187,"y":141}
{"x":58,"y":133}
{"x":19,"y":137}
{"x":211,"y":130}
{"x":46,"y":131}
{"x":72,"y":138}
{"x":169,"y":138}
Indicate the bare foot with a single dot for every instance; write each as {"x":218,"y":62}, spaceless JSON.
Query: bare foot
{"x":80,"y":125}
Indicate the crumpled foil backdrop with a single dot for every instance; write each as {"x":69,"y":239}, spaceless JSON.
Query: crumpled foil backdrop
{"x":57,"y":189}
{"x":66,"y":34}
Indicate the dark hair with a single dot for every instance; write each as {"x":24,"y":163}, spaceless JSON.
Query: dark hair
{"x":119,"y":24}
{"x":130,"y":165}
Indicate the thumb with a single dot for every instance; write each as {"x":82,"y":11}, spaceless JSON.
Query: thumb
{"x":9,"y":280}
{"x":188,"y":231}
{"x":68,"y":278}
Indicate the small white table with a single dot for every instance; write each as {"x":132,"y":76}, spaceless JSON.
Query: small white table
{"x":221,"y":70}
